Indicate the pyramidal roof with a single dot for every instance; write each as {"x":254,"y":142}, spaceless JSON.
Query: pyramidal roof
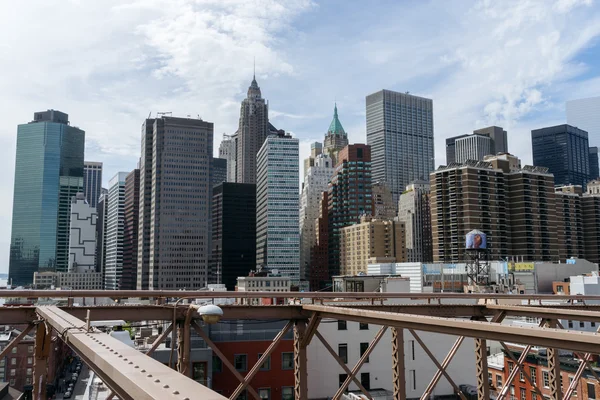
{"x":336,"y":128}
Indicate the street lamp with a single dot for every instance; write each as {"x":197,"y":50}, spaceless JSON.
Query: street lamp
{"x":210,"y":313}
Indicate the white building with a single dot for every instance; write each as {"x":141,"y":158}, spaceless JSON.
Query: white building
{"x":227,"y":150}
{"x":472,"y":147}
{"x":414,"y":211}
{"x":277,"y":206}
{"x":113,"y":263}
{"x":263,"y":284}
{"x":86,"y":280}
{"x":82,"y":238}
{"x":316,"y":181}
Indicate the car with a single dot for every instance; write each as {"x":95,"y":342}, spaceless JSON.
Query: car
{"x":67,"y":395}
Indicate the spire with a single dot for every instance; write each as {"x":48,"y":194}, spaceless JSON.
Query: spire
{"x":336,"y":128}
{"x":254,"y":90}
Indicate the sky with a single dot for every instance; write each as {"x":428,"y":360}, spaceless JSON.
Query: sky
{"x":110,"y":64}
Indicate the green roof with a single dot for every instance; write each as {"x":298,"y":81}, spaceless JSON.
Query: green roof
{"x":336,"y":126}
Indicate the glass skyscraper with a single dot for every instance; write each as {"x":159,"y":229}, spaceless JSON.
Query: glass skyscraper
{"x":400,"y":133}
{"x":48,"y":173}
{"x":564,"y":150}
{"x":92,"y":182}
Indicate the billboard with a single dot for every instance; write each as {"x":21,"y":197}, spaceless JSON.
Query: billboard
{"x":520,"y":266}
{"x":476,"y":240}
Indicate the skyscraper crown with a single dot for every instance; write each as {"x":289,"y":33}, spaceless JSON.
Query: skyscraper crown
{"x":336,"y":128}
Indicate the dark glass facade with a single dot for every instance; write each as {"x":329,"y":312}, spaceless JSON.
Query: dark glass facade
{"x":48,"y":173}
{"x":92,"y":182}
{"x":233,"y":232}
{"x":564,"y":150}
{"x":594,"y":168}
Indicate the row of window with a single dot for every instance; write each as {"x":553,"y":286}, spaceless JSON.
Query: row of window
{"x":240,"y":362}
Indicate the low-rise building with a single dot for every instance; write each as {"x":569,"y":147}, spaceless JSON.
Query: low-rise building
{"x":84,"y":280}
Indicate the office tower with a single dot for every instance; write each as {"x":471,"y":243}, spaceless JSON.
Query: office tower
{"x":349,"y":197}
{"x":451,"y":148}
{"x":590,"y":207}
{"x":82,"y":240}
{"x":252,"y":132}
{"x":371,"y":241}
{"x":277,"y":206}
{"x":486,"y":141}
{"x":414,"y":211}
{"x":335,"y":138}
{"x":564,"y":150}
{"x":175,"y":196}
{"x":131,"y":224}
{"x":48,"y":173}
{"x":585,"y":114}
{"x":569,"y":217}
{"x":318,"y":273}
{"x":400,"y":133}
{"x":101,"y":223}
{"x":233,"y":232}
{"x":316,"y":148}
{"x":498,"y":136}
{"x":92,"y":181}
{"x":383,"y":201}
{"x":594,"y":168}
{"x":465,"y":197}
{"x":115,"y":221}
{"x":219,"y":171}
{"x":316,"y":181}
{"x":228,"y":151}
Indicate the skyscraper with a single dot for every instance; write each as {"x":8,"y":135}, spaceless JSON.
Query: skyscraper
{"x":175,"y":197}
{"x":383,"y":201}
{"x":82,"y":240}
{"x":219,"y":171}
{"x":228,"y":151}
{"x":252,"y":132}
{"x":585,"y":115}
{"x":92,"y":181}
{"x":101,"y":223}
{"x":131,"y":224}
{"x":400,"y":133}
{"x":233,"y":232}
{"x":594,"y":167}
{"x":485,"y":141}
{"x":316,"y":148}
{"x":335,"y":138}
{"x":48,"y":173}
{"x":316,"y":182}
{"x":414,"y":211}
{"x":564,"y":150}
{"x":277,"y":206}
{"x":115,"y":221}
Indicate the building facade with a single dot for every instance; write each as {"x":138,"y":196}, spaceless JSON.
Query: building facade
{"x":316,"y":181}
{"x":233,"y":232}
{"x":564,"y":150}
{"x":569,"y":217}
{"x":82,"y":240}
{"x":415,"y":213}
{"x":131,"y":224}
{"x":228,"y":151}
{"x":335,"y":138}
{"x":92,"y":181}
{"x":383,"y":201}
{"x":48,"y":173}
{"x":319,"y":272}
{"x":371,"y":240}
{"x":316,"y":149}
{"x":400,"y":133}
{"x":101,"y":223}
{"x":174,"y":234}
{"x":113,"y":262}
{"x":472,"y":147}
{"x":252,"y":132}
{"x":585,"y":114}
{"x":219,"y":171}
{"x":594,"y":167}
{"x":277,"y":206}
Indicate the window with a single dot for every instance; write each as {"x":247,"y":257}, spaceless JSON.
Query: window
{"x":365,"y":380}
{"x":287,"y":393}
{"x":498,"y":381}
{"x":264,"y":393}
{"x":199,"y":372}
{"x":523,"y":394}
{"x":265,"y":365}
{"x":363,"y":349}
{"x":13,"y":361}
{"x":533,"y":374}
{"x":217,"y":364}
{"x":521,"y":375}
{"x":534,"y":396}
{"x":412,"y":349}
{"x":12,"y":382}
{"x":511,"y":366}
{"x":343,"y":352}
{"x":591,"y":391}
{"x":240,"y":361}
{"x":490,"y":379}
{"x":29,"y":349}
{"x":29,"y":371}
{"x":570,"y":324}
{"x":287,"y":360}
{"x":559,"y":289}
{"x":593,"y":324}
{"x":412,"y":376}
{"x":546,"y":379}
{"x":512,"y":393}
{"x":581,"y":324}
{"x":342,"y":325}
{"x":574,"y":389}
{"x":363,"y":327}
{"x":28,"y":381}
{"x":14,"y":350}
{"x":342,"y":379}
{"x":29,"y":360}
{"x":13,"y":372}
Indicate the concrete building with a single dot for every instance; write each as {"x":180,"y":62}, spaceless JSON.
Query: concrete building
{"x":131,"y":224}
{"x":319,"y":273}
{"x":263,"y":284}
{"x":564,"y":150}
{"x":400,"y":133}
{"x":219,"y":171}
{"x":499,"y":138}
{"x":569,"y":216}
{"x":486,"y":141}
{"x":383,"y":201}
{"x":48,"y":173}
{"x":84,"y":280}
{"x":113,"y":263}
{"x":316,"y":181}
{"x":228,"y":151}
{"x":82,"y":240}
{"x":371,"y":240}
{"x":92,"y":181}
{"x":175,"y":200}
{"x":335,"y":138}
{"x":316,"y":149}
{"x":349,"y":197}
{"x":233,"y":232}
{"x":585,"y":114}
{"x":277,"y":206}
{"x":590,"y":208}
{"x":415,"y":213}
{"x":252,"y":132}
{"x":101,"y":223}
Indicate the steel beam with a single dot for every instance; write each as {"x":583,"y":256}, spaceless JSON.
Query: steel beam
{"x":15,"y":341}
{"x":312,"y":327}
{"x":398,"y":370}
{"x":481,"y":366}
{"x":521,"y":368}
{"x":159,"y":340}
{"x":128,"y":372}
{"x":549,"y":313}
{"x":546,"y":337}
{"x":300,"y":361}
{"x":441,"y":368}
{"x":43,"y":343}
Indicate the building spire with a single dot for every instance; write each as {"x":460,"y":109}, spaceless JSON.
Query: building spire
{"x":254,"y":71}
{"x":335,"y":128}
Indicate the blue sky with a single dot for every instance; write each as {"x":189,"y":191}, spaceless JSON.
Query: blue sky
{"x":109,"y":64}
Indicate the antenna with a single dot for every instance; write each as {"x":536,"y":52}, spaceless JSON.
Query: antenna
{"x":254,"y":72}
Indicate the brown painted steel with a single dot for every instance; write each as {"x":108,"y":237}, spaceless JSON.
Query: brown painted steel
{"x":547,"y":312}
